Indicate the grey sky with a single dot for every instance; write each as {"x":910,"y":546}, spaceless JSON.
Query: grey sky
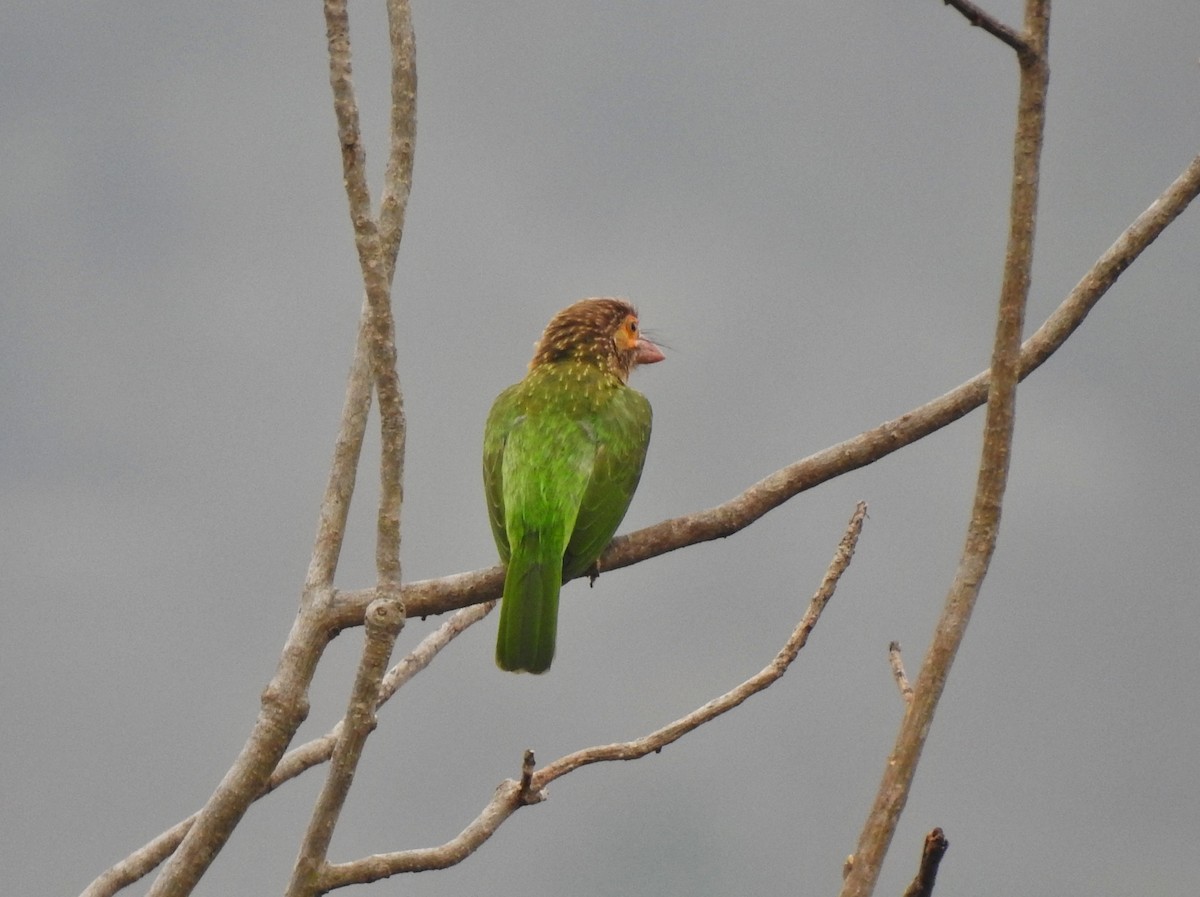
{"x":808,"y":204}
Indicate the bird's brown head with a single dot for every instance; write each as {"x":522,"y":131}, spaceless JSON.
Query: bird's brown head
{"x":597,"y":331}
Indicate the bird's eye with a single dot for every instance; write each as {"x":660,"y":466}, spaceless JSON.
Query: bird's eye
{"x":632,"y":326}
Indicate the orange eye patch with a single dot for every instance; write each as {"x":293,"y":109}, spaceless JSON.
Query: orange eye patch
{"x":627,"y":333}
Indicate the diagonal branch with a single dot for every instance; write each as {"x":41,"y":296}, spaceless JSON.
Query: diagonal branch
{"x":315,"y":752}
{"x":511,"y":795}
{"x":283,"y":708}
{"x":145,"y":859}
{"x":980,"y":18}
{"x":335,"y":507}
{"x":437,"y":596}
{"x":984,"y":527}
{"x":656,"y":741}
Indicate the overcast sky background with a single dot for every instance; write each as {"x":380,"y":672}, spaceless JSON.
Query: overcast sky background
{"x":808,"y":202}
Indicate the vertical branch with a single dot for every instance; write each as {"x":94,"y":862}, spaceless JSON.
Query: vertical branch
{"x":993,"y":469}
{"x":285,"y":701}
{"x":396,"y":190}
{"x":345,"y":110}
{"x":335,"y":507}
{"x":393,"y":431}
{"x":398,"y":174}
{"x":376,"y":251}
{"x":931,"y":857}
{"x":377,"y":261}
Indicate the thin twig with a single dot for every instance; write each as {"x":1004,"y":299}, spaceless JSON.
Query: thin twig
{"x":897,"y":664}
{"x":656,"y":741}
{"x":420,"y":656}
{"x":993,"y":26}
{"x":984,"y":527}
{"x":511,"y":795}
{"x":385,"y":618}
{"x":931,"y":857}
{"x":526,"y":793}
{"x":318,"y":750}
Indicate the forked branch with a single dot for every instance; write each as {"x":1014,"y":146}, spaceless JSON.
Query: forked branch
{"x":512,"y":794}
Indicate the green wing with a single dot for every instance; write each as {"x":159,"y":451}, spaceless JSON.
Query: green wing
{"x":558,"y":477}
{"x":505,"y":411}
{"x":537,"y":464}
{"x":623,"y":434}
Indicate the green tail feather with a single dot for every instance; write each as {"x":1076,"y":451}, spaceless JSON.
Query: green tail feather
{"x":528,"y":616}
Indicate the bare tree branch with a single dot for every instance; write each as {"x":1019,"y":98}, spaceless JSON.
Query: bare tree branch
{"x":376,"y":252}
{"x":421,"y":656}
{"x":398,"y":174}
{"x":394,"y":430}
{"x":993,"y":26}
{"x":931,"y":857}
{"x":656,"y":741}
{"x":511,"y":795}
{"x":984,"y":527}
{"x":343,"y":472}
{"x":436,"y":596}
{"x":462,"y":590}
{"x":284,"y":707}
{"x":284,"y":702}
{"x":140,"y":863}
{"x":385,"y":618}
{"x":897,"y":664}
{"x":525,"y":792}
{"x":145,"y":859}
{"x":317,"y":751}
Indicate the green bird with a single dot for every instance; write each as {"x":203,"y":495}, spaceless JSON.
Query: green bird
{"x":562,"y":454}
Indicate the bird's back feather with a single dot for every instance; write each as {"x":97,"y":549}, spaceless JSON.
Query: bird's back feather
{"x":563,"y":452}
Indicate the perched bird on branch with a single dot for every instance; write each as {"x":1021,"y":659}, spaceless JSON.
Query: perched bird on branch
{"x":562,"y":454}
